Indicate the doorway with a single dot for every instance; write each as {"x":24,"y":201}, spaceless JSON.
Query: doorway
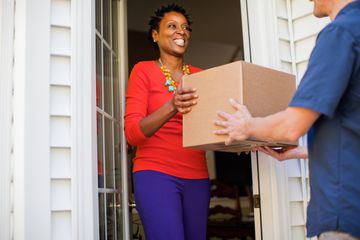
{"x":216,"y":39}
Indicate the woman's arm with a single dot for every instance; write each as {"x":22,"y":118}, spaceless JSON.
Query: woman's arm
{"x":184,"y":99}
{"x":140,"y":125}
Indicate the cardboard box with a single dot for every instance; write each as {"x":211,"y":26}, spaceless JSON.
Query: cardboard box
{"x":264,"y":91}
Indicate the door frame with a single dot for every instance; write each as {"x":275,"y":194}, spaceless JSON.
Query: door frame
{"x":84,"y":183}
{"x":123,"y":65}
{"x":254,"y":157}
{"x":6,"y":68}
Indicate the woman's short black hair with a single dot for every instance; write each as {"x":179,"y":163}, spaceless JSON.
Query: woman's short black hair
{"x":159,"y":14}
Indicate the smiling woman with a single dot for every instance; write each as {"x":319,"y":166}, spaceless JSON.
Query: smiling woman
{"x":172,"y":189}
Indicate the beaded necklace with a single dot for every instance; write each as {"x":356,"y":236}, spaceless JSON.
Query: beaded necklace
{"x":170,"y":83}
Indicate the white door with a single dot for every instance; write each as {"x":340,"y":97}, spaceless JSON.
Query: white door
{"x":110,"y":34}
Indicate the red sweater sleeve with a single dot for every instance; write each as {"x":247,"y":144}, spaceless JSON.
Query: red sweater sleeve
{"x":137,"y":96}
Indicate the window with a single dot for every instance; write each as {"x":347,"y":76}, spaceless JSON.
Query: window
{"x":108,"y":119}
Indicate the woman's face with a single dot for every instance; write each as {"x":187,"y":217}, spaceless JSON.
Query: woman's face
{"x":173,"y":34}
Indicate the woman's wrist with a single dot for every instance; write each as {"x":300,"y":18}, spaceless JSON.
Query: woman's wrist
{"x":171,"y":107}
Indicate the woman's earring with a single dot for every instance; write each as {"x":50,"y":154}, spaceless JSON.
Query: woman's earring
{"x":154,"y":40}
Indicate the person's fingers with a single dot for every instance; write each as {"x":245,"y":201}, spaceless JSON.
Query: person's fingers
{"x":224,"y":115}
{"x":224,"y":131}
{"x":263,"y":150}
{"x":268,"y":151}
{"x":186,"y":97}
{"x":239,"y":107}
{"x":185,"y":104}
{"x":184,"y":110}
{"x":287,"y":148}
{"x":228,"y":141}
{"x":183,"y":90}
{"x":235,"y":103}
{"x":221,"y":123}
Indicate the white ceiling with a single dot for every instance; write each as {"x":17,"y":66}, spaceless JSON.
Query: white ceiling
{"x":213,"y":20}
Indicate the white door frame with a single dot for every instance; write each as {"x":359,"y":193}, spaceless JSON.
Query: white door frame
{"x":6,"y":70}
{"x":32,"y":214}
{"x":254,"y":158}
{"x":84,"y":181}
{"x":123,"y":55}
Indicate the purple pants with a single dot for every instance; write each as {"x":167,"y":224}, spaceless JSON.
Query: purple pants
{"x":171,"y":207}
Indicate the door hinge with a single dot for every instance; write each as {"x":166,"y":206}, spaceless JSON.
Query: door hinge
{"x":256,"y":198}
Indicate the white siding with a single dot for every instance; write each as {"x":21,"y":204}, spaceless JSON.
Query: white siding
{"x":54,"y":133}
{"x":60,"y":120}
{"x":298,"y":29}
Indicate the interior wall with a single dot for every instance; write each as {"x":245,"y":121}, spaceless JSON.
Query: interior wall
{"x":203,"y":54}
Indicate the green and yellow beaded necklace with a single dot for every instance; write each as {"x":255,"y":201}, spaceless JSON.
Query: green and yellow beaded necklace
{"x":170,"y":83}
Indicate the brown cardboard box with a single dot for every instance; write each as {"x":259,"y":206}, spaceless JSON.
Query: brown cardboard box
{"x":264,"y":91}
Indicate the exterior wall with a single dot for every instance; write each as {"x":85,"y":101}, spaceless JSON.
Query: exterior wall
{"x":60,"y":80}
{"x":6,"y":117}
{"x":54,"y":121}
{"x":73,"y":176}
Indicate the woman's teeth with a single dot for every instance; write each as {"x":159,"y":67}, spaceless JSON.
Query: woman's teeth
{"x":179,"y":42}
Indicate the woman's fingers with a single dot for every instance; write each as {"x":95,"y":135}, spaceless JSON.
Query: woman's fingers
{"x":185,"y":98}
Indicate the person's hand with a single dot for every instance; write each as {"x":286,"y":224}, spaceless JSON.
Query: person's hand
{"x":285,"y":153}
{"x":184,"y":99}
{"x":235,"y":125}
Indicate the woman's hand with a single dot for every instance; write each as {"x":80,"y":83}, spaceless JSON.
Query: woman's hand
{"x":184,"y":99}
{"x":285,"y":153}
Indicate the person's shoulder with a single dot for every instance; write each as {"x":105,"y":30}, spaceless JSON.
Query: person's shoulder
{"x":143,"y":67}
{"x":347,"y":20}
{"x":194,"y":69}
{"x":143,"y":64}
{"x":338,"y":28}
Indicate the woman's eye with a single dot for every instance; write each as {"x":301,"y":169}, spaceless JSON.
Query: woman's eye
{"x":186,"y":28}
{"x":172,"y":26}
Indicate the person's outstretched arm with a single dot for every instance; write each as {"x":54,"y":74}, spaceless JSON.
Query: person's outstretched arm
{"x":288,"y":125}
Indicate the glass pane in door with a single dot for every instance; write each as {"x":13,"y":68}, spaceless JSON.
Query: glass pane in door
{"x":108,"y":114}
{"x":102,"y":233}
{"x":108,"y":79}
{"x":115,"y":25}
{"x":98,"y":15}
{"x":99,"y":87}
{"x":100,"y":156}
{"x":106,"y":20}
{"x":109,"y":158}
{"x":110,"y":212}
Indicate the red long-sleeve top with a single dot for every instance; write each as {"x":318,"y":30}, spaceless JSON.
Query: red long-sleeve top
{"x":162,"y":151}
